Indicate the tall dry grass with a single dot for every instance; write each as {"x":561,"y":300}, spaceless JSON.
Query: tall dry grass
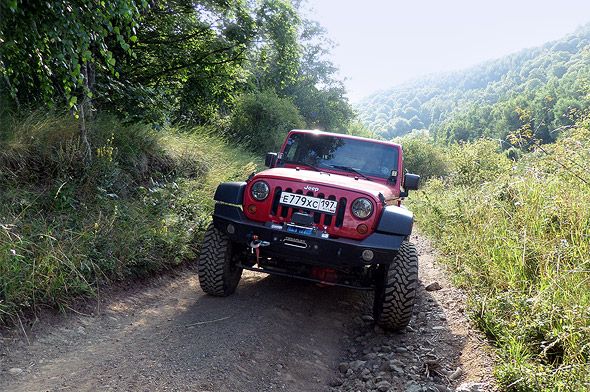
{"x":139,"y":207}
{"x":517,"y":236}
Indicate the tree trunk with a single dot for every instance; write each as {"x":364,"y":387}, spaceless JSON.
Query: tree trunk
{"x":85,"y":110}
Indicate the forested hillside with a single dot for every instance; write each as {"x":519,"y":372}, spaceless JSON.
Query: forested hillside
{"x":541,"y":87}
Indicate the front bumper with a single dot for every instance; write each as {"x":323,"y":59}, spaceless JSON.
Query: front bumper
{"x":312,"y":248}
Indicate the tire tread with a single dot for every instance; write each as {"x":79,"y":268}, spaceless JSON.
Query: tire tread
{"x":400,"y":286}
{"x":211,"y":264}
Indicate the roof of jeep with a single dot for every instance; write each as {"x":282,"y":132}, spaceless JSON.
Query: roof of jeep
{"x":342,"y":135}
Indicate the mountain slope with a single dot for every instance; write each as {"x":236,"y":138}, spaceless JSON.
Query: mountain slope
{"x":541,"y":86}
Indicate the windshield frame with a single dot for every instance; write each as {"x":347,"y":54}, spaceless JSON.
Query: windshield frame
{"x":326,"y":165}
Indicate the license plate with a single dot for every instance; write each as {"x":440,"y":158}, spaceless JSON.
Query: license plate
{"x":309,"y":202}
{"x":299,"y":229}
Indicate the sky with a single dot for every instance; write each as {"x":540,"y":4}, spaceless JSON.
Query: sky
{"x":383,"y":43}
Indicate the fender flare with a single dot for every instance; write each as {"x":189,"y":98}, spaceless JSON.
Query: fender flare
{"x":396,"y":220}
{"x":230,"y":192}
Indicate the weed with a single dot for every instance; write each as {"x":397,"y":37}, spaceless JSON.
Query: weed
{"x":517,"y":237}
{"x":140,"y":207}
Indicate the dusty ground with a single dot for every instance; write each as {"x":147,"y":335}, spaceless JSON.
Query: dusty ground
{"x":274,"y":333}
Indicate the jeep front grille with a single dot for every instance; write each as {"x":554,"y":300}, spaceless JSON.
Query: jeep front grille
{"x":319,"y":218}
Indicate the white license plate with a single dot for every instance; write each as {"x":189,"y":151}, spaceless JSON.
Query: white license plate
{"x":308,"y":202}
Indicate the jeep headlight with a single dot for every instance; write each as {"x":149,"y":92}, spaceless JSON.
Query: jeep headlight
{"x":362,"y":208}
{"x":260,"y":190}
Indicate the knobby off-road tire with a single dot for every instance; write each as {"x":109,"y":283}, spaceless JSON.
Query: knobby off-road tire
{"x":395,"y":290}
{"x":218,"y":273}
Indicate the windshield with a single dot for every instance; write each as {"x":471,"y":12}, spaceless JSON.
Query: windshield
{"x":321,"y":151}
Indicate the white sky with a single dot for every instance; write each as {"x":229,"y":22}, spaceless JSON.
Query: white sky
{"x":383,"y":43}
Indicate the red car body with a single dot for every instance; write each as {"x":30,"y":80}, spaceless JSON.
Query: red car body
{"x":345,"y":187}
{"x":309,"y":243}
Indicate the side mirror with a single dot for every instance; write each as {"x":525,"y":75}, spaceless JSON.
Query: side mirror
{"x":411,"y":183}
{"x":270,"y":159}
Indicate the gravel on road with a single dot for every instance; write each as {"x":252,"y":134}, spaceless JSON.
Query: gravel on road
{"x":273,"y":334}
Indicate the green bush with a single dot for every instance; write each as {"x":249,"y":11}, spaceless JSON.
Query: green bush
{"x":517,"y":236}
{"x":139,"y":207}
{"x":423,"y":157}
{"x":261,"y":120}
{"x":473,"y":163}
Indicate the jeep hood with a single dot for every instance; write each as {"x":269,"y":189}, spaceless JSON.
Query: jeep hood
{"x":330,"y":179}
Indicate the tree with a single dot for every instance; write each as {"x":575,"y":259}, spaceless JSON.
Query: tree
{"x":51,"y":51}
{"x":189,"y":61}
{"x":261,"y":120}
{"x":319,"y":96}
{"x":275,"y":58}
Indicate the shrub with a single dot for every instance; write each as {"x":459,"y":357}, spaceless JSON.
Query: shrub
{"x":473,"y":163}
{"x":423,"y":157}
{"x":261,"y":120}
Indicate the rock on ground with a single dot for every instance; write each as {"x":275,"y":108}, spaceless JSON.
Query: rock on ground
{"x":274,"y":333}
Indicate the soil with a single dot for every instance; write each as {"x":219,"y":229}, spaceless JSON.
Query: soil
{"x":273,"y":334}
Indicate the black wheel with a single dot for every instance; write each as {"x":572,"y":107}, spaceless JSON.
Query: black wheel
{"x":395,"y":289}
{"x":219,"y":274}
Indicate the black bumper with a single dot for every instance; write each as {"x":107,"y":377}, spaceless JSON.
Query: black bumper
{"x":310,"y":248}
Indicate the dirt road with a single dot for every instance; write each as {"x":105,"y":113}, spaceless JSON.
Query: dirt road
{"x":273,"y":334}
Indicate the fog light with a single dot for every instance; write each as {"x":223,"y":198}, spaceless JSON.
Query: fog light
{"x":362,"y":228}
{"x":231,"y":229}
{"x":252,"y":209}
{"x":367,"y":255}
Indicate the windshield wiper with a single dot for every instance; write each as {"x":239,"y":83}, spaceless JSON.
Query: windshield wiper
{"x":352,"y":170}
{"x":304,"y":164}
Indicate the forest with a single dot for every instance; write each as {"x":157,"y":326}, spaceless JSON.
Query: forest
{"x":544,"y":87}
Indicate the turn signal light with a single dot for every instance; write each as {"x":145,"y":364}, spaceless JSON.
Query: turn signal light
{"x":252,"y":209}
{"x":362,"y":229}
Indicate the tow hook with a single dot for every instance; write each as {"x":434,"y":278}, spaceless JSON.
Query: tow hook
{"x":255,"y":244}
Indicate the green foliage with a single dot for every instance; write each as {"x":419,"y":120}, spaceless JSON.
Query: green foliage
{"x":549,"y":82}
{"x":140,"y":207}
{"x":423,"y":157}
{"x":261,"y":120}
{"x":516,"y":236}
{"x":292,"y":60}
{"x":173,"y":62}
{"x":357,"y":128}
{"x":277,"y":62}
{"x":47,"y":47}
{"x":318,"y":95}
{"x":189,"y":63}
{"x":477,"y":162}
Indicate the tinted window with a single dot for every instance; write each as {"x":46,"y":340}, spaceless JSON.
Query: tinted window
{"x":369,"y":158}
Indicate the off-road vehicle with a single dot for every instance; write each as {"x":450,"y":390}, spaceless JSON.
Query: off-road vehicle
{"x":327,"y":210}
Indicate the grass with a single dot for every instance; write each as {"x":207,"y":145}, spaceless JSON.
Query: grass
{"x":517,"y":236}
{"x":138,"y":208}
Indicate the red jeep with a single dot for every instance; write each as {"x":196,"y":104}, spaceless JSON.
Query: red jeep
{"x":327,"y":210}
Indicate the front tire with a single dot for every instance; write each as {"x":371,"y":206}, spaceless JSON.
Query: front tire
{"x":395,"y":290}
{"x":219,"y":274}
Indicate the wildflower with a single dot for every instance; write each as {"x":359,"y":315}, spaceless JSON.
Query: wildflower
{"x":13,"y":252}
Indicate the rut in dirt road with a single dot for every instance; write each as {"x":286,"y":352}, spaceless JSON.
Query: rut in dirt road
{"x":273,"y":333}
